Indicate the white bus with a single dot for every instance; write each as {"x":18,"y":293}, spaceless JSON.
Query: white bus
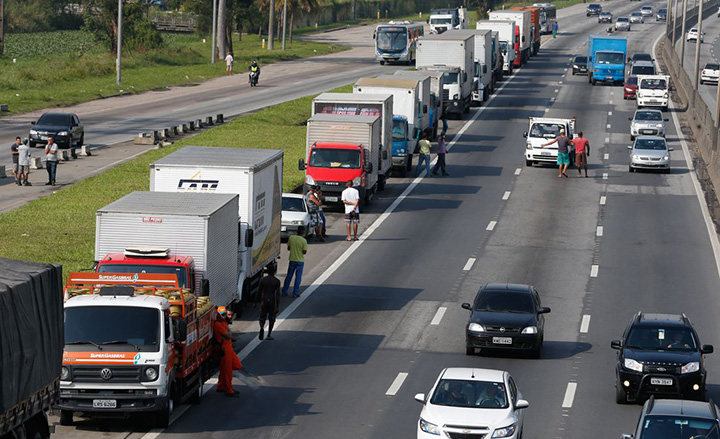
{"x":548,"y":17}
{"x":397,"y":41}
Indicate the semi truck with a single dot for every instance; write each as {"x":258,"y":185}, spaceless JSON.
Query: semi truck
{"x":540,"y":131}
{"x":433,"y":80}
{"x":255,"y":175}
{"x":454,"y":53}
{"x":506,"y":40}
{"x":522,"y":32}
{"x":535,"y":30}
{"x":31,"y":341}
{"x":606,"y":59}
{"x":341,"y":148}
{"x":442,"y":20}
{"x":482,"y":68}
{"x":134,"y":344}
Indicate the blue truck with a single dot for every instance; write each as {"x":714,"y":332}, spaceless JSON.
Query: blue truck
{"x":606,"y":59}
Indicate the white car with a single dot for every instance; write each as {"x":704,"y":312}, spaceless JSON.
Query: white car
{"x":622,"y":23}
{"x":710,"y":73}
{"x":646,"y":11}
{"x":295,"y":213}
{"x":472,"y":403}
{"x":647,"y":123}
{"x":692,"y":35}
{"x":637,"y":17}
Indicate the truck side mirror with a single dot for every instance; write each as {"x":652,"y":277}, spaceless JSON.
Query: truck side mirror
{"x":205,"y":288}
{"x":384,"y":155}
{"x":425,"y":109}
{"x":180,"y":330}
{"x":249,"y":237}
{"x":484,"y":69}
{"x":301,"y":165}
{"x":525,"y":134}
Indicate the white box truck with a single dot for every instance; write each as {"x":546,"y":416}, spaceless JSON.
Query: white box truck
{"x":451,"y":50}
{"x":506,"y":39}
{"x":255,"y":175}
{"x":482,"y":69}
{"x":523,"y":40}
{"x":436,"y":94}
{"x":194,"y":231}
{"x":442,"y":20}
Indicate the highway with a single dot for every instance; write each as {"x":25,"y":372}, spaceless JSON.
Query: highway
{"x":383,"y":317}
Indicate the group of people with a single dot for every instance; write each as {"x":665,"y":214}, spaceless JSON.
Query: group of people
{"x":20,"y":151}
{"x":579,"y":147}
{"x":229,"y":60}
{"x":424,"y":156}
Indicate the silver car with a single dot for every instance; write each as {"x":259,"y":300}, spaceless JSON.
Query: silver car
{"x":649,"y":152}
{"x":647,"y":123}
{"x":646,"y":11}
{"x":637,"y":17}
{"x":622,"y":23}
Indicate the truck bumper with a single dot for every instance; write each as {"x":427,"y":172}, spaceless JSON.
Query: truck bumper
{"x":652,"y":102}
{"x":399,"y":161}
{"x":455,"y":107}
{"x":127,"y":402}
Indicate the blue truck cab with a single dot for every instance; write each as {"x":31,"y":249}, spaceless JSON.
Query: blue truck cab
{"x":606,"y":59}
{"x":403,"y":144}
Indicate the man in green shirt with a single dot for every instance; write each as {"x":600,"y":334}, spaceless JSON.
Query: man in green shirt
{"x":424,"y":156}
{"x":297,"y":245}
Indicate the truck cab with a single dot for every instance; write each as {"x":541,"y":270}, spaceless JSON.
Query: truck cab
{"x":606,"y":59}
{"x":540,"y":131}
{"x":403,"y":143}
{"x":653,"y":91}
{"x":153,"y":261}
{"x":331,"y":165}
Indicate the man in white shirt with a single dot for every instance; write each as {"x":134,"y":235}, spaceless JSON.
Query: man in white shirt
{"x":229,"y":63}
{"x":51,"y":160}
{"x":351,"y":200}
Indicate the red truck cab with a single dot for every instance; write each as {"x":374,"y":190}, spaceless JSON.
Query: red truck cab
{"x":151,"y":262}
{"x":331,"y":165}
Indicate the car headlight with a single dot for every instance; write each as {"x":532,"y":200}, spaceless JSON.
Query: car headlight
{"x":62,"y":133}
{"x":65,"y":374}
{"x":309,"y":180}
{"x":150,"y":373}
{"x":635,"y":157}
{"x":401,"y":150}
{"x":666,"y":158}
{"x":297,"y":223}
{"x":665,"y":96}
{"x":455,"y":97}
{"x":691,"y":367}
{"x":427,"y":427}
{"x":528,"y":146}
{"x":33,"y":132}
{"x":529,"y":330}
{"x":633,"y":365}
{"x":505,"y":431}
{"x":356,"y":181}
{"x":628,"y":89}
{"x":475,"y":327}
{"x":659,"y":125}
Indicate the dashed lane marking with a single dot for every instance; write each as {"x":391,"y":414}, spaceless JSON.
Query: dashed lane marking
{"x":518,"y":171}
{"x":585,"y":324}
{"x":605,"y":175}
{"x":603,"y":200}
{"x":609,"y":113}
{"x":506,"y":195}
{"x":469,"y":264}
{"x":594,"y":270}
{"x":599,"y":231}
{"x":491,"y":226}
{"x":608,"y":126}
{"x":438,"y":316}
{"x":395,"y":386}
{"x":607,"y":140}
{"x":569,"y":395}
{"x":606,"y":156}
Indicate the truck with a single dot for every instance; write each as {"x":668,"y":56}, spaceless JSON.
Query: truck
{"x":340,"y":148}
{"x":408,"y":103}
{"x":435,"y":108}
{"x":506,"y":40}
{"x":190,"y":235}
{"x":522,"y":32}
{"x":255,"y":175}
{"x":31,"y":341}
{"x":535,"y":29}
{"x":442,"y":20}
{"x":653,"y":91}
{"x":454,"y":53}
{"x":606,"y":59}
{"x":134,"y":344}
{"x":497,"y":58}
{"x":540,"y":131}
{"x":483,"y":75}
{"x":548,"y":16}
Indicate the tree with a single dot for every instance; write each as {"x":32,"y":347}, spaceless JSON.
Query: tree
{"x":138,"y":32}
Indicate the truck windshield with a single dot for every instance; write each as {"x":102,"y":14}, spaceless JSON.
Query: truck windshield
{"x":610,"y":58}
{"x":335,"y":158}
{"x":503,"y":47}
{"x":653,"y":84}
{"x":440,"y":20}
{"x":392,"y":41}
{"x":546,"y":130}
{"x":113,"y":328}
{"x":152,"y":269}
{"x":450,"y":77}
{"x":399,"y":131}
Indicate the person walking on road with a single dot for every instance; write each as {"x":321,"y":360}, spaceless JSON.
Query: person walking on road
{"x":441,"y":152}
{"x":229,"y":360}
{"x":229,"y":63}
{"x":14,"y":152}
{"x":555,"y":29}
{"x":24,"y":164}
{"x":351,"y":199}
{"x":51,"y":160}
{"x":321,"y":214}
{"x":582,"y":150}
{"x":297,"y":245}
{"x":269,"y":301}
{"x":563,"y":158}
{"x":424,"y":156}
{"x":315,"y":206}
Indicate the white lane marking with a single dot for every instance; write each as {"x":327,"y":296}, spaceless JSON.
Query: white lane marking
{"x":611,"y":102}
{"x":607,"y":126}
{"x":599,"y":231}
{"x":491,"y":226}
{"x":506,"y":195}
{"x":552,"y":99}
{"x":609,"y":113}
{"x":469,"y":264}
{"x":438,"y":316}
{"x":518,"y":171}
{"x":559,"y":82}
{"x":569,"y":395}
{"x":547,"y":109}
{"x":395,"y":386}
{"x":607,"y":140}
{"x":556,"y":90}
{"x":603,"y":200}
{"x":605,"y":175}
{"x":606,"y":156}
{"x":594,"y":270}
{"x":585,"y":324}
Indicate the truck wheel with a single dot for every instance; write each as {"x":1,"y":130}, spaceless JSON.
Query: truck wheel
{"x":528,"y":163}
{"x":162,"y":418}
{"x":592,"y":81}
{"x":197,"y":395}
{"x":382,"y":63}
{"x":466,"y":110}
{"x":381,"y":182}
{"x":589,"y":78}
{"x":66,"y":417}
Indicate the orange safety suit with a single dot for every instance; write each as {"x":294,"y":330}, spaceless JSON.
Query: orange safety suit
{"x":229,"y":361}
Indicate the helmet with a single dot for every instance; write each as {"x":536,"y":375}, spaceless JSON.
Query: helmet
{"x":222,"y":310}
{"x":254,"y":62}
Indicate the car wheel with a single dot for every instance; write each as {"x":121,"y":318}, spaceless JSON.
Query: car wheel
{"x":528,"y":162}
{"x":631,"y":169}
{"x":667,"y":171}
{"x":620,"y":395}
{"x":535,"y":353}
{"x":632,"y":137}
{"x":32,"y":144}
{"x":66,"y":418}
{"x":81,"y":142}
{"x":469,"y":350}
{"x":702,"y":82}
{"x":71,"y":142}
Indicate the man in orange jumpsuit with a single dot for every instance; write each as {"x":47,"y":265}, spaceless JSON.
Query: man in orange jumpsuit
{"x":229,"y":361}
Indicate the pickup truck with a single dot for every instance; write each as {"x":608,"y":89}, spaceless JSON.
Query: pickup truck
{"x":540,"y":131}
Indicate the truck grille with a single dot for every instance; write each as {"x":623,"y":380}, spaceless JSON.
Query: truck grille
{"x":446,"y":95}
{"x":93,"y":374}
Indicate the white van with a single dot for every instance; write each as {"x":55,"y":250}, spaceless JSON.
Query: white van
{"x":653,"y":91}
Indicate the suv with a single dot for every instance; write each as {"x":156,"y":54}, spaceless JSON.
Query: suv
{"x":677,"y":418}
{"x":660,"y":354}
{"x":593,"y":9}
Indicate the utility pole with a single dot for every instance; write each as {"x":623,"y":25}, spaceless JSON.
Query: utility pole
{"x":674,"y":29}
{"x":697,"y":49}
{"x":682,"y":34}
{"x":214,"y":32}
{"x":2,"y":26}
{"x":284,"y":23}
{"x":271,"y":20}
{"x":667,"y":19}
{"x":118,"y":67}
{"x":717,"y":109}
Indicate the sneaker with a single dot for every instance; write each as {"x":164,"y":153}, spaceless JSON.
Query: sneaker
{"x":27,"y":183}
{"x":48,"y":183}
{"x":295,"y":296}
{"x":261,"y":335}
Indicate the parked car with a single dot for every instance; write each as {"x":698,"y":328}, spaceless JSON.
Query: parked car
{"x":710,"y":73}
{"x":661,"y":14}
{"x":468,"y":402}
{"x":630,"y":88}
{"x":646,"y":11}
{"x":622,"y":23}
{"x":637,"y":17}
{"x":506,"y":317}
{"x":65,"y":128}
{"x":593,"y":9}
{"x":295,"y":213}
{"x":579,"y":65}
{"x":647,"y":123}
{"x":605,"y":17}
{"x":649,"y":152}
{"x":677,"y":418}
{"x":692,"y":35}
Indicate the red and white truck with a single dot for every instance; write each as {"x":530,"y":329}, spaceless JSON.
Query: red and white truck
{"x":522,"y":32}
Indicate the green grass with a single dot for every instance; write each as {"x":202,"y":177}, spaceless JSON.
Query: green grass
{"x":83,"y":72}
{"x":60,"y":227}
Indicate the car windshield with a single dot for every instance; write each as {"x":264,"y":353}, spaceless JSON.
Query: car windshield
{"x":643,"y":70}
{"x":503,"y":46}
{"x":646,"y":8}
{"x":653,"y":84}
{"x":636,"y":14}
{"x":335,"y":158}
{"x":662,"y":11}
{"x":622,"y":20}
{"x":546,"y":130}
{"x":111,"y":327}
{"x":610,"y":58}
{"x":504,"y":301}
{"x":391,"y":41}
{"x":580,"y":60}
{"x":399,"y":130}
{"x":450,"y":77}
{"x":712,"y":66}
{"x":55,"y":119}
{"x":648,"y":115}
{"x":660,"y":339}
{"x":642,"y":57}
{"x":632,"y":80}
{"x":292,"y":204}
{"x":605,"y":14}
{"x":693,"y":31}
{"x":673,"y":427}
{"x":594,"y":6}
{"x":470,"y":394}
{"x":440,"y":20}
{"x":152,"y":269}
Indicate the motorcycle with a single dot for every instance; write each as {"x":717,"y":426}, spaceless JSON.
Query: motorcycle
{"x":253,"y":79}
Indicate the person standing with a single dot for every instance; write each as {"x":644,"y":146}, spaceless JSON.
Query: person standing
{"x":441,"y":152}
{"x":314,"y":206}
{"x":51,"y":161}
{"x":563,"y":159}
{"x":229,"y":360}
{"x":24,"y":164}
{"x":14,"y":152}
{"x":351,"y":199}
{"x":424,"y":155}
{"x":297,"y":245}
{"x":582,"y":150}
{"x":229,"y":63}
{"x":269,"y":301}
{"x":555,"y":29}
{"x":321,"y":214}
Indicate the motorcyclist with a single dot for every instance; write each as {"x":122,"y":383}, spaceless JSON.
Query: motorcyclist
{"x":254,"y":68}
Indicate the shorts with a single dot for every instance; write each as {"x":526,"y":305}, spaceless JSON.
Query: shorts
{"x":267,"y":312}
{"x":581,"y":159}
{"x":16,"y":168}
{"x":352,"y":217}
{"x":563,"y":158}
{"x":24,"y":170}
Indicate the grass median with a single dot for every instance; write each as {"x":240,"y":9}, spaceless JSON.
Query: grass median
{"x":60,"y":227}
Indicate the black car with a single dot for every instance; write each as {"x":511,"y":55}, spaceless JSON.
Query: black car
{"x":593,"y":9}
{"x":677,"y":418}
{"x":661,"y":15}
{"x":579,"y":65}
{"x":660,"y":354}
{"x":640,"y":56}
{"x":506,"y":317}
{"x":65,"y":128}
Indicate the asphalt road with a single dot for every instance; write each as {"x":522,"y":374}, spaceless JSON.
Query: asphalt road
{"x":598,"y":249}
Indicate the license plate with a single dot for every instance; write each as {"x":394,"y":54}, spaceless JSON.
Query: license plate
{"x":331,"y":199}
{"x":502,"y":340}
{"x":283,"y":229}
{"x":609,"y":78}
{"x":647,"y":131}
{"x":104,"y":403}
{"x":544,"y":152}
{"x":661,"y":381}
{"x":43,"y":137}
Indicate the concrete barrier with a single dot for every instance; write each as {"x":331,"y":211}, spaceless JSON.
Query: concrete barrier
{"x":165,"y":133}
{"x":198,"y":123}
{"x":220,"y":118}
{"x":64,"y":155}
{"x":191,"y":125}
{"x":73,"y":153}
{"x":182,"y":128}
{"x":85,"y":151}
{"x":209,"y":121}
{"x":145,"y":138}
{"x":36,"y":163}
{"x":174,"y":131}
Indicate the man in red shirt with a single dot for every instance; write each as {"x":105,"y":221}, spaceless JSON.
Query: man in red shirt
{"x":229,"y":360}
{"x":582,"y":149}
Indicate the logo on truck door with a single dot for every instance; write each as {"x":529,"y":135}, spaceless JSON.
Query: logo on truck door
{"x":196,"y":183}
